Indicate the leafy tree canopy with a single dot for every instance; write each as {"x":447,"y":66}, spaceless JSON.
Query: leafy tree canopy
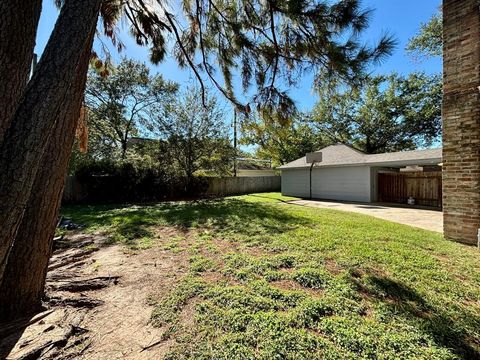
{"x":282,"y":143}
{"x":123,"y":103}
{"x":429,"y":39}
{"x":386,"y":113}
{"x":194,"y":136}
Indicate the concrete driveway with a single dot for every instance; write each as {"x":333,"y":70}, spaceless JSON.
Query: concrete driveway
{"x":421,"y":218}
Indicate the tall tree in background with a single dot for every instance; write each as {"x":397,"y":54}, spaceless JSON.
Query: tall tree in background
{"x":271,"y":42}
{"x":194,"y":136}
{"x":282,"y":143}
{"x":121,"y":103}
{"x":387,"y":113}
{"x":429,"y":39}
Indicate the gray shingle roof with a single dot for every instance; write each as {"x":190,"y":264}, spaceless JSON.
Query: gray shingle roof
{"x":343,"y":155}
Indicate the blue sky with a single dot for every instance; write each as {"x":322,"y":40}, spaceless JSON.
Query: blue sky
{"x":401,"y":18}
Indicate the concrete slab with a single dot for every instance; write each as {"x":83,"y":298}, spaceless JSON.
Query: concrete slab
{"x":422,"y":218}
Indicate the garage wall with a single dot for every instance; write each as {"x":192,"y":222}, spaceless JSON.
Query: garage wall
{"x":374,"y":183}
{"x":296,"y":182}
{"x":349,"y":183}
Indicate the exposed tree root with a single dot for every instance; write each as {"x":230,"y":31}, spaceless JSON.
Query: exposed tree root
{"x":56,"y":333}
{"x":70,"y":258}
{"x":77,"y":302}
{"x":8,"y":328}
{"x":84,"y":284}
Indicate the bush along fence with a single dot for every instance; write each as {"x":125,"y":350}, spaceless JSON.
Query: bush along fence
{"x":116,"y":188}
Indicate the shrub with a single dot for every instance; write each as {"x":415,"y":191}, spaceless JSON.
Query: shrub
{"x":107,"y":181}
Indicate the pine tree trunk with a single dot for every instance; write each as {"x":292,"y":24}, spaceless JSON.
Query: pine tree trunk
{"x":18,"y":29}
{"x":46,"y":96}
{"x":22,"y":287}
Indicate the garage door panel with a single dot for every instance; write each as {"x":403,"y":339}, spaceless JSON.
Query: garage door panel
{"x":296,"y":182}
{"x":342,"y":183}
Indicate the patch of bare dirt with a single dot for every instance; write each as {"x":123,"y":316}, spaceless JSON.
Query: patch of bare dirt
{"x":167,"y":232}
{"x":121,"y":328}
{"x":332,"y":266}
{"x":287,"y":285}
{"x":99,"y":302}
{"x":215,"y":277}
{"x":229,"y":246}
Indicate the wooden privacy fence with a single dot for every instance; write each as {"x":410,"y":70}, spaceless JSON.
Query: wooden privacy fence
{"x":76,"y":192}
{"x":73,"y":190}
{"x":424,"y":187}
{"x":242,"y":185}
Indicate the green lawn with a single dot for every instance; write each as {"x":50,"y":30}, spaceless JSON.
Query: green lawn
{"x":270,"y":280}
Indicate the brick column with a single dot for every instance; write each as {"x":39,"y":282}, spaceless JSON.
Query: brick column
{"x":461,"y":120}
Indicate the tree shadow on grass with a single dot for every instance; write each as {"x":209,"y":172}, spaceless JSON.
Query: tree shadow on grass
{"x":269,"y":198}
{"x":408,"y":303}
{"x":232,"y":215}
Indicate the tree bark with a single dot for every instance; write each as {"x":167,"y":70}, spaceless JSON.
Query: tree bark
{"x":124,"y":148}
{"x":46,"y":96}
{"x":22,"y":287}
{"x":18,"y":29}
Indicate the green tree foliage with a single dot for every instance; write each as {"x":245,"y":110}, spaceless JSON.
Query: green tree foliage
{"x":282,"y":143}
{"x":429,"y":39}
{"x":194,"y":137}
{"x":387,"y":113}
{"x":121,"y":104}
{"x":269,"y":44}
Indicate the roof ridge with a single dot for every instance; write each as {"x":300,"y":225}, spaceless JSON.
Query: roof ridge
{"x":406,"y":151}
{"x":344,"y":145}
{"x":352,"y":148}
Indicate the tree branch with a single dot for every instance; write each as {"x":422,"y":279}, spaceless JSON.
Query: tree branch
{"x":182,"y":47}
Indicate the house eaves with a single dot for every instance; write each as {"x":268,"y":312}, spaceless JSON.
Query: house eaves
{"x":342,"y":155}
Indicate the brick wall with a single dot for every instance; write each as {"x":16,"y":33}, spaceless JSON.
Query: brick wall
{"x":461,"y":120}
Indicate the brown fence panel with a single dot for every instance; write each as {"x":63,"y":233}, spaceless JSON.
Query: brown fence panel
{"x":242,"y":185}
{"x":424,"y":187}
{"x":75,"y":192}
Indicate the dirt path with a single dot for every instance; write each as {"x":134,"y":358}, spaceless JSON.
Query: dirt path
{"x":119,"y":328}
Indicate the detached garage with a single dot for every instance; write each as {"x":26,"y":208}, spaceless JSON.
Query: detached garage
{"x":342,"y":173}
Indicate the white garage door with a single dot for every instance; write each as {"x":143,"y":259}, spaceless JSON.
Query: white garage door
{"x":350,"y":183}
{"x":296,"y":182}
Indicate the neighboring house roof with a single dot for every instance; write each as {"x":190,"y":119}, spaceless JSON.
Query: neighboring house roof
{"x":249,"y":166}
{"x":343,"y":155}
